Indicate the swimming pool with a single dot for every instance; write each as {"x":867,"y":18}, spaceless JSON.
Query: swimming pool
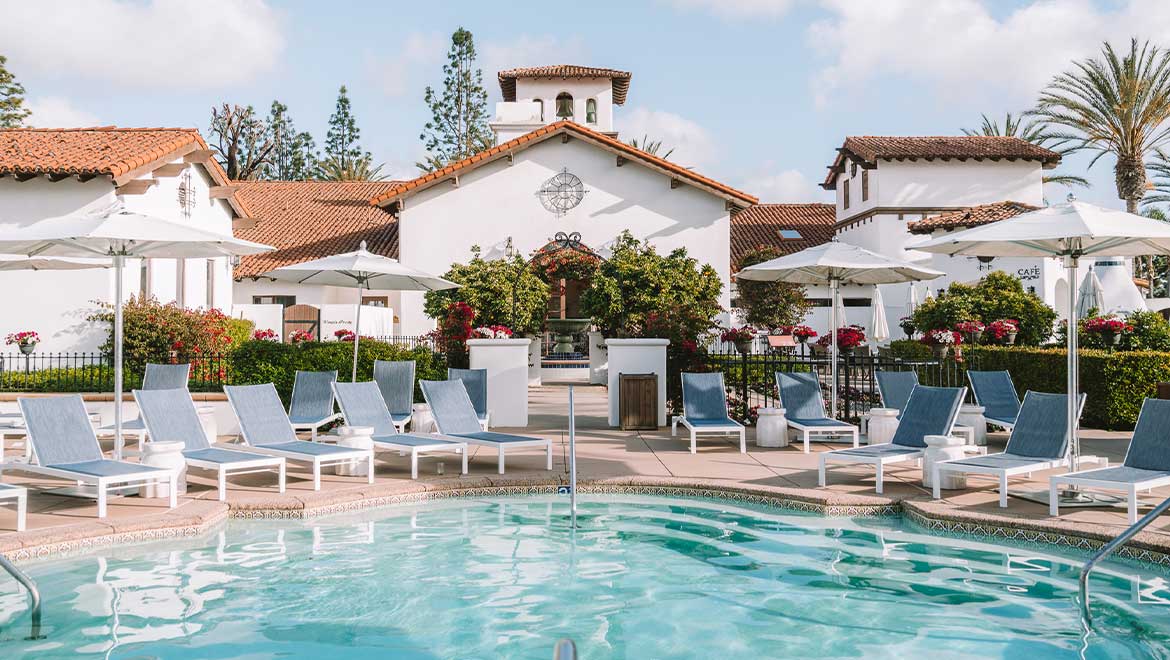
{"x":645,"y":577}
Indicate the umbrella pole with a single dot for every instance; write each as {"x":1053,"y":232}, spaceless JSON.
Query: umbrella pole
{"x":835,"y":288}
{"x":119,"y":261}
{"x":357,"y":335}
{"x":1074,"y":445}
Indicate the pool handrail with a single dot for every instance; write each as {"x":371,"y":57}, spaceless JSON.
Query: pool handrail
{"x":1108,"y":549}
{"x":33,"y":592}
{"x":565,"y":650}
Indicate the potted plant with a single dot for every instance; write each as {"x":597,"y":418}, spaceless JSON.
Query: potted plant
{"x":848,"y":338}
{"x":907,"y":325}
{"x":972,"y":330}
{"x":1004,"y":331}
{"x":300,"y":336}
{"x":1109,"y":327}
{"x":941,"y":340}
{"x":803,"y":333}
{"x":741,"y":337}
{"x":268,"y":334}
{"x":26,"y":341}
{"x":492,"y":332}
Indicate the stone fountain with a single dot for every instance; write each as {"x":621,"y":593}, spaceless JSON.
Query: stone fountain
{"x":564,"y":330}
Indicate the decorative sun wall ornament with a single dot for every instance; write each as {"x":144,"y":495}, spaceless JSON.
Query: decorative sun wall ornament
{"x":186,"y":193}
{"x":561,"y":193}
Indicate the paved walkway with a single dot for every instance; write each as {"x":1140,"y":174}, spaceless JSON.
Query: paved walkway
{"x":605,"y":456}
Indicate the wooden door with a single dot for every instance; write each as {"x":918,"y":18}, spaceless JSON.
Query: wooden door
{"x":302,"y":317}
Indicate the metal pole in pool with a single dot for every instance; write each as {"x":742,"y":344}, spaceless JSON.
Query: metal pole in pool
{"x":572,"y":460}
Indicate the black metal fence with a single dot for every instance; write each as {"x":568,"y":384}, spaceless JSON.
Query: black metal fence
{"x":410,"y":341}
{"x":94,"y":372}
{"x":751,"y":382}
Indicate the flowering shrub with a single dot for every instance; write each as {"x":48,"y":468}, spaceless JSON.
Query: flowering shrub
{"x":453,"y":332}
{"x":969,"y":326}
{"x":267,"y":334}
{"x":1107,"y":325}
{"x":492,"y":332}
{"x":803,"y":332}
{"x":344,"y":334}
{"x":1002,"y":328}
{"x":300,"y":336}
{"x":850,"y":336}
{"x":942,"y":337}
{"x":23,"y":338}
{"x":565,"y":264}
{"x":738,"y":334}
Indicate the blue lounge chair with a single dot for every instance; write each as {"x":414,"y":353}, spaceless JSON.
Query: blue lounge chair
{"x":476,"y":382}
{"x":456,"y":417}
{"x":362,"y":405}
{"x":995,"y":391}
{"x":396,"y":382}
{"x":156,"y":377}
{"x":1146,"y":464}
{"x":930,"y":411}
{"x":1038,"y":441}
{"x":804,"y":408}
{"x":267,"y":430}
{"x":312,"y":401}
{"x":170,"y":416}
{"x":19,"y":495}
{"x":895,"y":387}
{"x":705,"y":409}
{"x":65,"y":445}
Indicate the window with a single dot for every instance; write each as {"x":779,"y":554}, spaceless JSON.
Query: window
{"x":852,"y":170}
{"x":210,"y":283}
{"x":845,"y":195}
{"x":789,"y":234}
{"x":540,"y":103}
{"x":286,"y":301}
{"x":591,"y":111}
{"x":564,"y":106}
{"x":865,"y":185}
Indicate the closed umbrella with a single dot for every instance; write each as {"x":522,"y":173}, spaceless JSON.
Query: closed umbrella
{"x":835,"y":264}
{"x":364,"y":270}
{"x":879,"y":329}
{"x":1092,"y":295}
{"x":116,"y":234}
{"x":1069,"y":232}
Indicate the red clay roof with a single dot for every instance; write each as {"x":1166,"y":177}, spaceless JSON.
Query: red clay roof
{"x":308,"y":220}
{"x":545,"y":132}
{"x":760,"y":225}
{"x":620,"y":79}
{"x":866,"y":150}
{"x":970,"y":217}
{"x":104,"y":150}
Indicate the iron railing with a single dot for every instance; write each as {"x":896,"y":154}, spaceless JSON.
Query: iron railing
{"x":94,"y":372}
{"x":34,"y":596}
{"x":409,"y":341}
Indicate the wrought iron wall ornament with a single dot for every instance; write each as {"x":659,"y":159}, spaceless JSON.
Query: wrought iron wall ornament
{"x":186,"y":195}
{"x":562,"y":192}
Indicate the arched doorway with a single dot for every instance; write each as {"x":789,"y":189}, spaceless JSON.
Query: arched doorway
{"x":568,"y":272}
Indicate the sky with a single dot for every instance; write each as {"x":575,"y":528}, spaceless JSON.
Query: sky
{"x":754,"y":93}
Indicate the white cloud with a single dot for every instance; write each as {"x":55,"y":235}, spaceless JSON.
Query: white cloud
{"x":964,"y":51}
{"x":58,"y":112}
{"x":162,"y":43}
{"x":693,"y":146}
{"x":525,"y":50}
{"x":738,"y":8}
{"x":787,"y":186}
{"x":418,"y":59}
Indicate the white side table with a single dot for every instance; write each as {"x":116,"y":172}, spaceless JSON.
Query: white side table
{"x":943,"y":448}
{"x":355,"y":437}
{"x":971,"y":415}
{"x":421,"y":419}
{"x":167,"y":455}
{"x":771,"y":428}
{"x":207,"y":421}
{"x":883,"y":424}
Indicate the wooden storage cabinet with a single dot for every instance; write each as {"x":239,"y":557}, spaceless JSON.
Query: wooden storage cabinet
{"x":638,"y":401}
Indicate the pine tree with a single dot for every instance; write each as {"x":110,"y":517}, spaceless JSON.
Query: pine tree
{"x":12,"y":109}
{"x":341,"y":142}
{"x":458,"y":127}
{"x":294,"y":156}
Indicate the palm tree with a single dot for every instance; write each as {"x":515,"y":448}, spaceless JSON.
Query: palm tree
{"x":357,"y":170}
{"x":650,"y":146}
{"x":1116,"y":104}
{"x":1029,"y":131}
{"x":1160,"y":194}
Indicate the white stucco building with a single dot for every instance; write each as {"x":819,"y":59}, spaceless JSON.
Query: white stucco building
{"x":168,"y":173}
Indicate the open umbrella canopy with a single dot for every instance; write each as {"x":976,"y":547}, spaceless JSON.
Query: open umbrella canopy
{"x":10,"y":262}
{"x":360,"y":268}
{"x":845,"y":263}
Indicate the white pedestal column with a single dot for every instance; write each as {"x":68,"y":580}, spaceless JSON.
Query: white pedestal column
{"x":355,"y":437}
{"x":972,"y":415}
{"x":169,"y":456}
{"x":942,"y":448}
{"x":534,"y":362}
{"x":598,"y":359}
{"x":883,"y":424}
{"x":636,"y":356}
{"x":506,"y":361}
{"x":771,"y":428}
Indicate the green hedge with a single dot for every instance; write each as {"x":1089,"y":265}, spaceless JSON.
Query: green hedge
{"x":274,"y":362}
{"x":1115,"y":383}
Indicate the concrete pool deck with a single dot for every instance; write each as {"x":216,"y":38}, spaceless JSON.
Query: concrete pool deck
{"x":608,"y":460}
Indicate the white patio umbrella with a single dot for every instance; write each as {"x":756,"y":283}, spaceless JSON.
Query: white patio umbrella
{"x":835,"y":264}
{"x":879,"y":329}
{"x":12,"y":262}
{"x":1069,"y":231}
{"x":1092,"y":295}
{"x":364,"y":270}
{"x":115,"y":233}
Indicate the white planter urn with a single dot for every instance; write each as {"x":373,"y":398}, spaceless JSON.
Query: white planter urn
{"x":883,"y":424}
{"x":169,"y":456}
{"x":506,"y":361}
{"x":771,"y":428}
{"x":972,"y":415}
{"x":943,"y":448}
{"x":355,"y":437}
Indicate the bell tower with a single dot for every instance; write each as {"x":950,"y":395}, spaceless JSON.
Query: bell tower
{"x":537,"y":96}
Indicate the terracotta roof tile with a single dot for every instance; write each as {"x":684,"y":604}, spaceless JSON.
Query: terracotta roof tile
{"x":308,"y":220}
{"x":760,"y":225}
{"x":866,"y":150}
{"x":546,"y":132}
{"x":620,"y":79}
{"x":970,"y":217}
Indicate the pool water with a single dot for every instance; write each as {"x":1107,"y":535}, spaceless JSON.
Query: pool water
{"x":645,"y":577}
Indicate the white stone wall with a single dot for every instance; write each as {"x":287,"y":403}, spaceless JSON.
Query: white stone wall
{"x":547,"y":89}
